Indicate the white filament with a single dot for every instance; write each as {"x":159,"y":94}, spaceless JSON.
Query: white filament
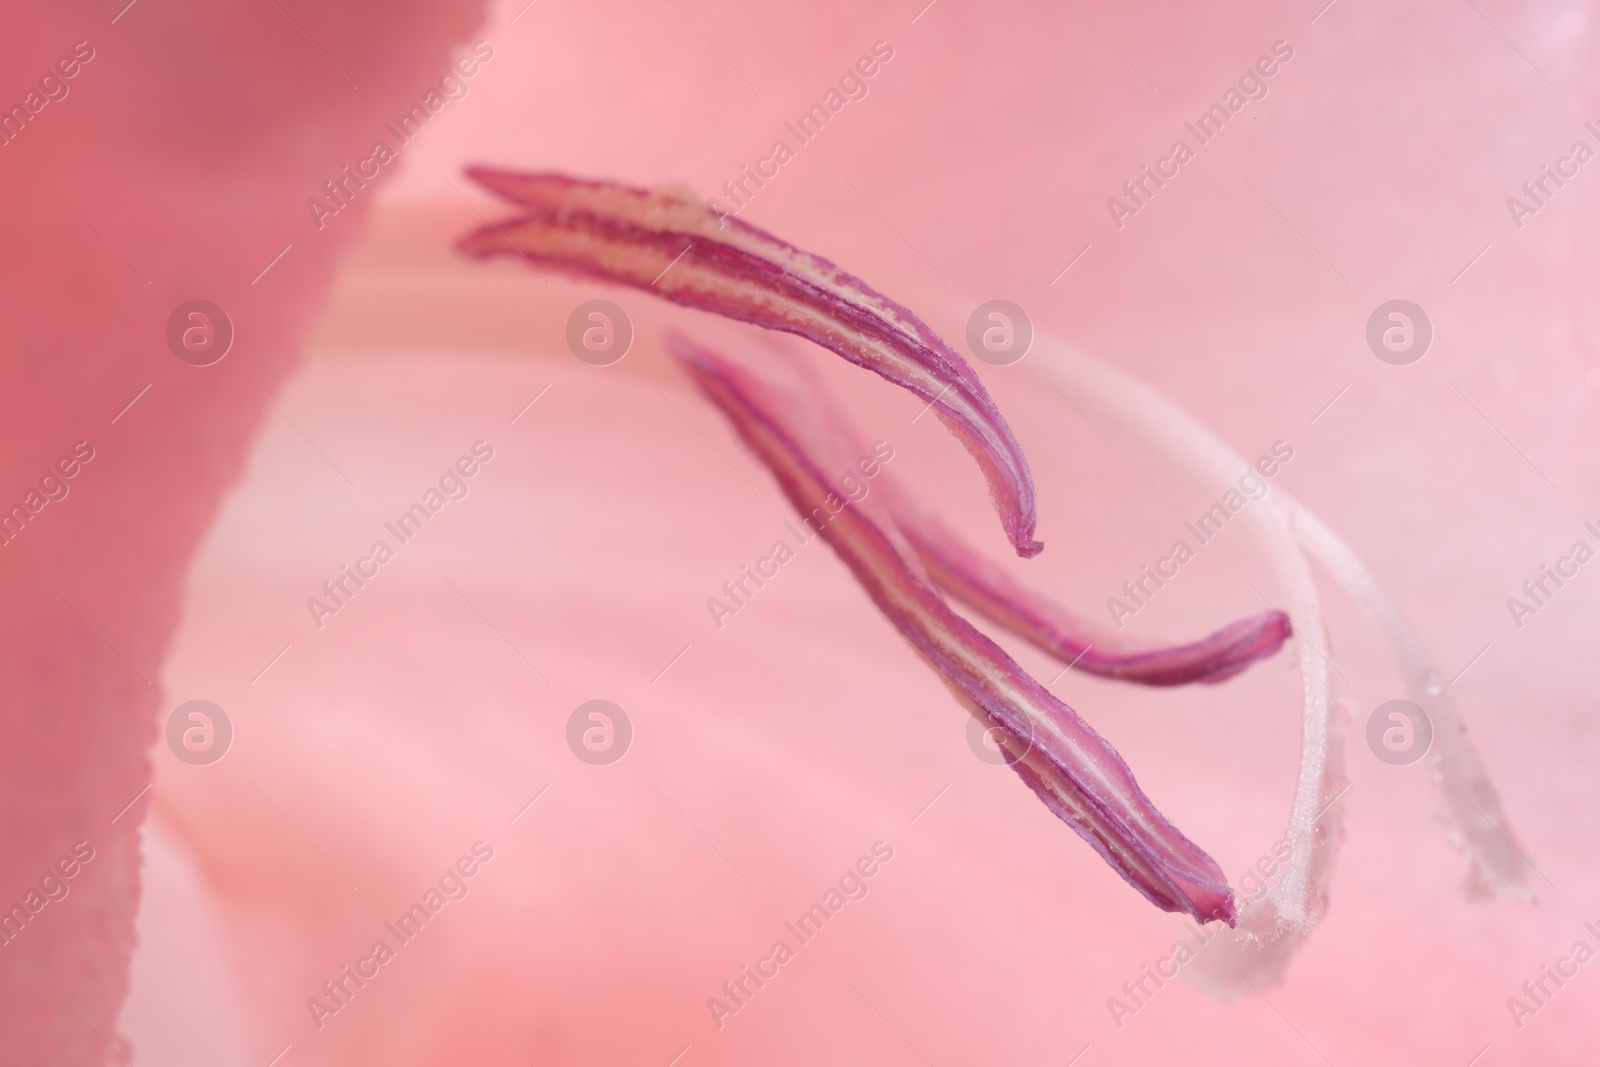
{"x":1273,"y":926}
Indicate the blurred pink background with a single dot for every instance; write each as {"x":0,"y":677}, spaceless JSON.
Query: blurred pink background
{"x":376,"y":750}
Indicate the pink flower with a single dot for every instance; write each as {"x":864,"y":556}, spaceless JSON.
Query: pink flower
{"x":181,"y":160}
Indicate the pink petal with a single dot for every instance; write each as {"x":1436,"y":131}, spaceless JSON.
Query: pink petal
{"x":191,"y":194}
{"x":667,"y":242}
{"x":1077,"y":774}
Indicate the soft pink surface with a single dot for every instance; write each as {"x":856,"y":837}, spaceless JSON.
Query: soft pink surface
{"x":803,"y":731}
{"x":173,"y":168}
